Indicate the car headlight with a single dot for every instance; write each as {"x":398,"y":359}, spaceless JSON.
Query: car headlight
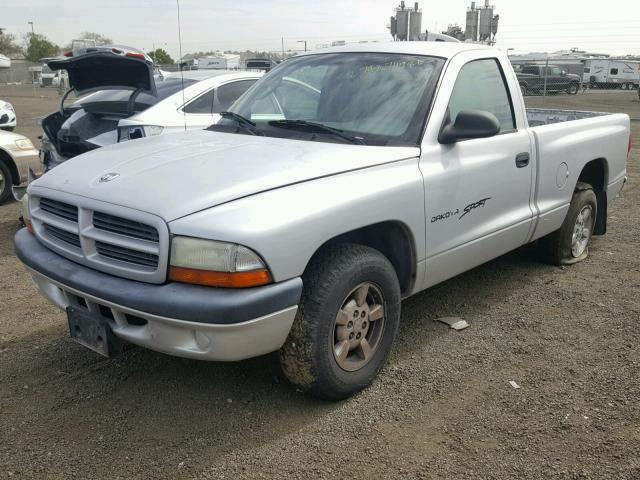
{"x":24,"y":144}
{"x":135,"y":132}
{"x":216,"y":264}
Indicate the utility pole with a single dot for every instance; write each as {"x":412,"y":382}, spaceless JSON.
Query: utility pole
{"x":31,"y":23}
{"x":282,"y":38}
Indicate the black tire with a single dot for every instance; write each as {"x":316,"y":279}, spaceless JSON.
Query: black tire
{"x":307,"y":357}
{"x":6,"y":183}
{"x":556,"y":247}
{"x":573,"y":88}
{"x":523,"y":90}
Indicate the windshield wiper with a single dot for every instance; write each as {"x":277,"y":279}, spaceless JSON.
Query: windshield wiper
{"x":242,"y":121}
{"x":316,"y":127}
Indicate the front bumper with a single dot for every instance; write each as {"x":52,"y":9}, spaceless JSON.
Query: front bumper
{"x":8,"y":119}
{"x":177,"y":319}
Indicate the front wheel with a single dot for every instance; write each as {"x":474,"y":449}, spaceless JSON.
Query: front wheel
{"x":5,"y":182}
{"x":570,"y":244}
{"x":573,"y":89}
{"x":523,"y":90}
{"x":345,"y":326}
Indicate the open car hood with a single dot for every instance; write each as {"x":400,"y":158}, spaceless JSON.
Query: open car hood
{"x":111,"y":67}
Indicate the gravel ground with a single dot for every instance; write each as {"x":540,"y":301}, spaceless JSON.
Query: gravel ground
{"x":442,"y":408}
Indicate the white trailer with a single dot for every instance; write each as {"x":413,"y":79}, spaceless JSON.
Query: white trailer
{"x":606,"y":73}
{"x":226,"y":61}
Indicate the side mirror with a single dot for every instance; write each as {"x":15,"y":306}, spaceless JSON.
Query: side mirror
{"x":470,"y":124}
{"x":563,"y":73}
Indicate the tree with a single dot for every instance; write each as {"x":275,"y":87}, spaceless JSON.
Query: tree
{"x":159,"y":55}
{"x":7,"y":44}
{"x":38,"y":47}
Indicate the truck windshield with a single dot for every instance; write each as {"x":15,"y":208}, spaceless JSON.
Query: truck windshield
{"x":374,"y":98}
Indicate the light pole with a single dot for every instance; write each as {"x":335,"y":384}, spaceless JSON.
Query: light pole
{"x":31,"y":23}
{"x":305,"y":44}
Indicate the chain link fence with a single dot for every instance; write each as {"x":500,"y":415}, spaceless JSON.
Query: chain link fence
{"x":550,"y":79}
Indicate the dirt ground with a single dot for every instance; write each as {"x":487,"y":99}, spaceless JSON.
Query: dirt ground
{"x":442,"y":408}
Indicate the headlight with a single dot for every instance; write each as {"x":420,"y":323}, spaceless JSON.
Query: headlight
{"x":216,"y":264}
{"x":24,"y":144}
{"x":134,"y":132}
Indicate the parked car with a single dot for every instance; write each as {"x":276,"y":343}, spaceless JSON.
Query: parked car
{"x":17,"y":156}
{"x":303,"y":234}
{"x":532,"y":79}
{"x":50,"y":78}
{"x":8,"y":119}
{"x":121,"y":99}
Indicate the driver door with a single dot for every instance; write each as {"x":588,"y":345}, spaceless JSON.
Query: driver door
{"x":477,"y":191}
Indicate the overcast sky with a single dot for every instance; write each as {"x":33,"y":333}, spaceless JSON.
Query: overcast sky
{"x":612,"y":26}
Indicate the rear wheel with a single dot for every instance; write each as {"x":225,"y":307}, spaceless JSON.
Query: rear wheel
{"x":346,"y":323}
{"x":5,"y":182}
{"x":570,"y":244}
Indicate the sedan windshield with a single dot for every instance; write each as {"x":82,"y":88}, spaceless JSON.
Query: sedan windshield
{"x":364,"y":98}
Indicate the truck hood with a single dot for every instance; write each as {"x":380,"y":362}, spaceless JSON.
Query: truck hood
{"x":182,"y":173}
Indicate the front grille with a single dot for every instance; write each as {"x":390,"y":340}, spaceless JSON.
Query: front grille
{"x":128,"y":255}
{"x":59,"y":209}
{"x":59,"y":234}
{"x":134,"y":245}
{"x":123,"y":226}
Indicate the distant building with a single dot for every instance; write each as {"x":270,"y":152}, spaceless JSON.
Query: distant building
{"x":481,"y":25}
{"x":407,"y":23}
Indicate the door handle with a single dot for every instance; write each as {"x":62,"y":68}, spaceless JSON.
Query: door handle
{"x":522,"y":159}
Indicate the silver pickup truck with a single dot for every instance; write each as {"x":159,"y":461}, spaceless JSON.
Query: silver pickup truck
{"x":342,"y":182}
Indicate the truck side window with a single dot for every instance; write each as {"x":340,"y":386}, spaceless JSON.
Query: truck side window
{"x":614,"y":71}
{"x":481,"y":86}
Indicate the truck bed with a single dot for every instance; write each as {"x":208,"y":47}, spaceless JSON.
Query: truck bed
{"x":542,"y":116}
{"x":564,"y":141}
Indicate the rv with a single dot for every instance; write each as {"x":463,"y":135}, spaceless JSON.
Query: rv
{"x":606,"y":73}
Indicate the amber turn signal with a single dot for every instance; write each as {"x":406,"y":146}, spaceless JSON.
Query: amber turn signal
{"x":254,"y":278}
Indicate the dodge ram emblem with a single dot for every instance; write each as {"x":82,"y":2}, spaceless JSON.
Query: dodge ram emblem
{"x":107,"y":177}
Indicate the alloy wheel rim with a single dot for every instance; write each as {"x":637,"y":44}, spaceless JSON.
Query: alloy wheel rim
{"x":358,"y":327}
{"x":582,"y":231}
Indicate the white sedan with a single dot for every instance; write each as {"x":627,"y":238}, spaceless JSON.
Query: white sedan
{"x":208,"y":93}
{"x":120,"y":99}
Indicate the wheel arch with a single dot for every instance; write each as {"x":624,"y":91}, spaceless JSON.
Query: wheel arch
{"x":7,"y":159}
{"x":596,"y":174}
{"x":393,"y":239}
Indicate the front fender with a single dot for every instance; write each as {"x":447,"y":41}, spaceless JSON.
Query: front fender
{"x":287,"y":225}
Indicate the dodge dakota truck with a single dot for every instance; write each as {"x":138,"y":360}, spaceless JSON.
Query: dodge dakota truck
{"x":300,"y":220}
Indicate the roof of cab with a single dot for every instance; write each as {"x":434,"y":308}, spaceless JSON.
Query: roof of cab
{"x":436,"y":49}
